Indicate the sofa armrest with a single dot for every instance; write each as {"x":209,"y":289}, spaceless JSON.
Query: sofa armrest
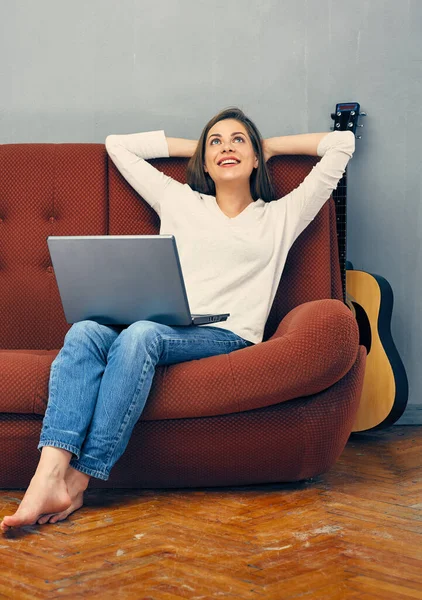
{"x":314,"y":346}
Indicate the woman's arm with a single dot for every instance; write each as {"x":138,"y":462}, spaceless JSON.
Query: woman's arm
{"x":130,"y":153}
{"x":304,"y":143}
{"x":303,"y":203}
{"x":181,"y":147}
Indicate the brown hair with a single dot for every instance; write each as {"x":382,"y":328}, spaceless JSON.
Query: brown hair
{"x":260,"y":182}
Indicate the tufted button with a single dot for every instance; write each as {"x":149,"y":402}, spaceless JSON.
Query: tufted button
{"x":50,"y":269}
{"x":1,"y":220}
{"x":52,"y":219}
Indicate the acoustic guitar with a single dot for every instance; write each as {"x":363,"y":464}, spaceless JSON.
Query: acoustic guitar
{"x":370,"y":298}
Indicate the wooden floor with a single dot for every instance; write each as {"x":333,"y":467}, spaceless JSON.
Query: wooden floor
{"x":355,"y":532}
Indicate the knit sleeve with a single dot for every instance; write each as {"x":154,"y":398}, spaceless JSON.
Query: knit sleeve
{"x":303,"y":204}
{"x":129,"y":153}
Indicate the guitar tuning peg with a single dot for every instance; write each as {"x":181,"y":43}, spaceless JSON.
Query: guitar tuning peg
{"x":361,"y":125}
{"x":358,"y":137}
{"x":333,"y":116}
{"x":362,"y":114}
{"x":332,"y":128}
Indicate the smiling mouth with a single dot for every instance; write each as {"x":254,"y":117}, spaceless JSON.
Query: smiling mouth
{"x":230,"y":164}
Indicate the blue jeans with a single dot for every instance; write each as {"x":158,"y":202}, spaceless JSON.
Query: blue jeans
{"x":101,"y":378}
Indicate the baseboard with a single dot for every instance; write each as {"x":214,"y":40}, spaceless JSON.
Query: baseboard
{"x":411,"y":416}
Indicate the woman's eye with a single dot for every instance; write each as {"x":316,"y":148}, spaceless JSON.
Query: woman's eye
{"x":236,"y":138}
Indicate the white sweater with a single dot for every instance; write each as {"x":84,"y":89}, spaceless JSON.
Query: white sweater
{"x":230,"y":265}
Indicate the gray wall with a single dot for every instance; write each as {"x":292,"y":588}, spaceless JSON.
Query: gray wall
{"x":77,"y":71}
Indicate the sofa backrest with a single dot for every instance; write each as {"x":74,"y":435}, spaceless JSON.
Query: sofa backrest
{"x":75,"y":189}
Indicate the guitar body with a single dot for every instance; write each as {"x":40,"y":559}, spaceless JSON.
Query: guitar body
{"x":385,"y":387}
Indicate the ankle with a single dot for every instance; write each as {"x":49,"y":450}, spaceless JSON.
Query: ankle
{"x":77,"y":479}
{"x":54,"y":462}
{"x":51,"y":471}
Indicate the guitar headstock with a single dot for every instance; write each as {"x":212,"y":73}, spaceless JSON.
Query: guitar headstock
{"x":346,"y":117}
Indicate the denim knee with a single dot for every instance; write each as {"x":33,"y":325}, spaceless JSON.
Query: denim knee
{"x":90,"y":334}
{"x":82,"y":327}
{"x":144,"y":333}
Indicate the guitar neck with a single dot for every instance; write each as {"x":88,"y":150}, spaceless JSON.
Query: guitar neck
{"x":345,"y":118}
{"x":339,"y":197}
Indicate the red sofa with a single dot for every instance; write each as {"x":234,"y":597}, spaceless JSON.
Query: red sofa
{"x":281,"y":410}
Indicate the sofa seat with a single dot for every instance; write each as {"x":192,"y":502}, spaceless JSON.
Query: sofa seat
{"x":304,"y":353}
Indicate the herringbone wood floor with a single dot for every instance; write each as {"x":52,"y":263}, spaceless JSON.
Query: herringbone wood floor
{"x":353,"y":533}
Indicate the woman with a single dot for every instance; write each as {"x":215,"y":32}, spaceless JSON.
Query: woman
{"x":233,"y":242}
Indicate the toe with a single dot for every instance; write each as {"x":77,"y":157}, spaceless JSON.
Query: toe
{"x":16,"y":520}
{"x":4,"y":527}
{"x":63,"y":515}
{"x":59,"y":517}
{"x":42,"y":520}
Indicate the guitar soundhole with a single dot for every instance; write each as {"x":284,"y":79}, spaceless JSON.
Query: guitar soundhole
{"x":365,"y":335}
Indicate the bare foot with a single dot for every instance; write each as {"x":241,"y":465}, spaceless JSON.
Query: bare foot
{"x":76,"y":483}
{"x":47,"y":491}
{"x":46,"y":494}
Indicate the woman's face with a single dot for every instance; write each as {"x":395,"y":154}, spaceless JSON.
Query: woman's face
{"x":229,"y":140}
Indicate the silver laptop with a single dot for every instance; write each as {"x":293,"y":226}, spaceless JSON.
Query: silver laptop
{"x":121,"y":279}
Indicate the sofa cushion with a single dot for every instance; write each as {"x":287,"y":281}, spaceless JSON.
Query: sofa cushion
{"x":45,"y":189}
{"x":314,"y":347}
{"x":24,"y":380}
